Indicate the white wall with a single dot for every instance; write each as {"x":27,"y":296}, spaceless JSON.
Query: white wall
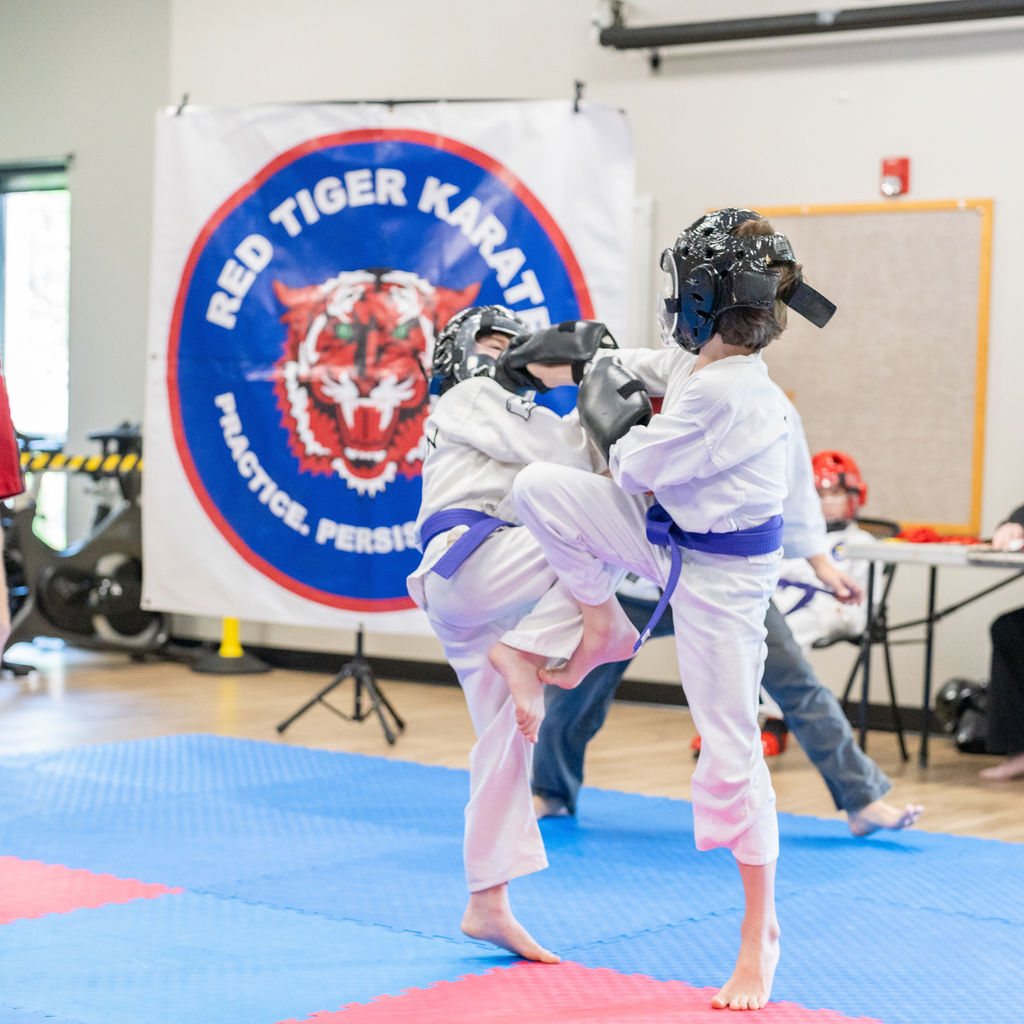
{"x":86,"y":79}
{"x":793,"y":121}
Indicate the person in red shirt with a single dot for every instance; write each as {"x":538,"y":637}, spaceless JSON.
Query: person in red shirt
{"x":11,"y":483}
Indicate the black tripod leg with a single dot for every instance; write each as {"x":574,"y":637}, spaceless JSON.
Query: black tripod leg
{"x":394,"y":714}
{"x":378,"y":703}
{"x":366,"y":689}
{"x":317,"y":698}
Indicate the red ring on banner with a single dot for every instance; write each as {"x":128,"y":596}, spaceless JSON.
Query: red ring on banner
{"x":431,"y":139}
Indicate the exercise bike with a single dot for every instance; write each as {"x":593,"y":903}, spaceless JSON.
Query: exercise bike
{"x":88,"y":594}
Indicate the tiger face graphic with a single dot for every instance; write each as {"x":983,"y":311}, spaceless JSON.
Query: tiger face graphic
{"x":352,"y":382}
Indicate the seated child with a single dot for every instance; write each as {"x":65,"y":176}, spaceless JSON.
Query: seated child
{"x":812,"y":612}
{"x":704,"y":479}
{"x":485,"y":585}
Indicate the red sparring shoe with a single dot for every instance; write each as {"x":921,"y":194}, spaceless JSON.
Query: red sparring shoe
{"x":774,"y":736}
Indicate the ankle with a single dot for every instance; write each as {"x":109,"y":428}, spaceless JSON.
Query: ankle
{"x":763,"y":930}
{"x":492,"y":898}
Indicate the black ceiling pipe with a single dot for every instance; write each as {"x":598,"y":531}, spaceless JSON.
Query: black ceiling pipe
{"x":650,"y":37}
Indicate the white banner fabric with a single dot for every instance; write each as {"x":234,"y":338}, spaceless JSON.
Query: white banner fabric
{"x":303,"y":259}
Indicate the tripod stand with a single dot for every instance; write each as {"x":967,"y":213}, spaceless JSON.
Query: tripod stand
{"x":358,"y":670}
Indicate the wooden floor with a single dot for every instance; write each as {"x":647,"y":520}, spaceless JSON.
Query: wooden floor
{"x":81,"y":697}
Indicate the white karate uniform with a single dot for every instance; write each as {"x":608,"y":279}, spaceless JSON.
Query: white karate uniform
{"x":823,"y":617}
{"x":480,"y":436}
{"x":715,"y":459}
{"x":804,"y":533}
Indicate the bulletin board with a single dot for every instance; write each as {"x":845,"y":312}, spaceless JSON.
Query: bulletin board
{"x":897,"y":378}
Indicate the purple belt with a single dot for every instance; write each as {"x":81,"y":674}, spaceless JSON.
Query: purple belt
{"x":762,"y":539}
{"x":809,"y":590}
{"x":480,"y":524}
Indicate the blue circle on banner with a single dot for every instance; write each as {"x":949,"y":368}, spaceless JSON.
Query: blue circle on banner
{"x":301,"y":339}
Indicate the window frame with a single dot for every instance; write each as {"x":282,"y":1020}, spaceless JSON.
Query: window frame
{"x":48,"y":174}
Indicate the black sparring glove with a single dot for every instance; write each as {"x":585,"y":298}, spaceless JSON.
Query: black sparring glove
{"x":573,"y":342}
{"x":611,"y":399}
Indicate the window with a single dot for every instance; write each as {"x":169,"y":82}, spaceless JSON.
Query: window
{"x":34,"y":275}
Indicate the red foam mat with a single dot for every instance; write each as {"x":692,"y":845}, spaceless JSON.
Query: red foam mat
{"x":556,"y":994}
{"x":29,"y":888}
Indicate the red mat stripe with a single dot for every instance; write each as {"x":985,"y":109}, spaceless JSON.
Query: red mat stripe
{"x":556,"y":994}
{"x":29,"y":889}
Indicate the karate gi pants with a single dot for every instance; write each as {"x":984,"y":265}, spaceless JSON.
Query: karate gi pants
{"x":812,"y":712}
{"x":505,"y":591}
{"x":590,"y":529}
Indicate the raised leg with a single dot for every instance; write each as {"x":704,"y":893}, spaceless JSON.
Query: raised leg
{"x":608,"y":636}
{"x":519,"y":669}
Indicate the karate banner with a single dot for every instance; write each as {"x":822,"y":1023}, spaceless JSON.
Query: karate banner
{"x":304,"y":258}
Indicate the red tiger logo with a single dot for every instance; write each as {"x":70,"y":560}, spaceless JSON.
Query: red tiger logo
{"x":352,"y":382}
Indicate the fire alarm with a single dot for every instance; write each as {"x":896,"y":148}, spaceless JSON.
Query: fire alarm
{"x":895,"y":176}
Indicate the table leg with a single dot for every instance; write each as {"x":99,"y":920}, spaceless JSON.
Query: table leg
{"x":929,"y":639}
{"x":865,"y":660}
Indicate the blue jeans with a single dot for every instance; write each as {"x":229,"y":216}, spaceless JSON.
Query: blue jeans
{"x":811,"y":711}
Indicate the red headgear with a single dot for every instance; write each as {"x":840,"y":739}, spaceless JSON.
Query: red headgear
{"x":837,"y":469}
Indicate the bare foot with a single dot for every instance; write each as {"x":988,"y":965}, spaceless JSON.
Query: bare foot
{"x":549,"y":806}
{"x":608,"y":635}
{"x":520,"y":671}
{"x":879,"y":814}
{"x":1011,"y":768}
{"x":489,"y":917}
{"x":751,"y":981}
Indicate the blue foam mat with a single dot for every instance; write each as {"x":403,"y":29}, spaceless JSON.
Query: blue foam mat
{"x":860,"y":958}
{"x":193,"y":841}
{"x":317,"y":879}
{"x":203,"y":960}
{"x":12,"y":1015}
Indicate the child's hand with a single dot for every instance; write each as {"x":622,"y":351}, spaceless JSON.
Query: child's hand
{"x":844,"y":589}
{"x":551,"y":376}
{"x":574,"y":342}
{"x":1008,"y":537}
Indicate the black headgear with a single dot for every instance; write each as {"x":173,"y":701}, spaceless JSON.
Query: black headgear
{"x":455,"y":355}
{"x":711,"y":270}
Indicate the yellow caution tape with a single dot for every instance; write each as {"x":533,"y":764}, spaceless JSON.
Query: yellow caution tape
{"x":96,"y":465}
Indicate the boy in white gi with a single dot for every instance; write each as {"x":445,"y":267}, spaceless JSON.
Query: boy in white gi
{"x":485,"y":585}
{"x":706,"y":476}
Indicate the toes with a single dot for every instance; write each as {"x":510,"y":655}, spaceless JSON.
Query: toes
{"x":528,"y":724}
{"x":525,"y":722}
{"x":910,"y":815}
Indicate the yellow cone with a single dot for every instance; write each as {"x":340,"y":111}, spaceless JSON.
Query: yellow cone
{"x":230,"y":646}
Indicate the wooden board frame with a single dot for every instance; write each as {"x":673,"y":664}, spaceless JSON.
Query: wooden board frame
{"x":958,"y":486}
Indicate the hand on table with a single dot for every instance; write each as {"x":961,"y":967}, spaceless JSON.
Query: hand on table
{"x":1008,"y":537}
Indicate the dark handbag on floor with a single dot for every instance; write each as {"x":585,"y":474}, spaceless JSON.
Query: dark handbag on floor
{"x":961,"y":706}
